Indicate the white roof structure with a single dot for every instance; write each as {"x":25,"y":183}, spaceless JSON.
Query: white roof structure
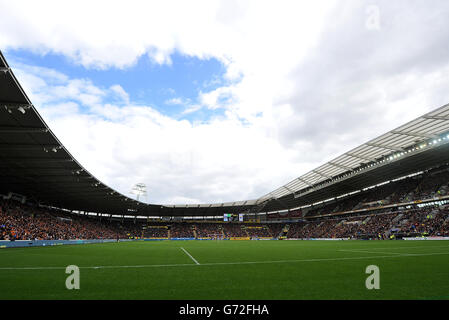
{"x":429,"y":126}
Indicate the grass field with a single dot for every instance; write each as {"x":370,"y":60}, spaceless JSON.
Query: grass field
{"x":229,"y":270}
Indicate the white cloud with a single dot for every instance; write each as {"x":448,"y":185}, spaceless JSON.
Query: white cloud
{"x":191,"y":109}
{"x":175,"y":101}
{"x":120,"y":92}
{"x":213,"y":161}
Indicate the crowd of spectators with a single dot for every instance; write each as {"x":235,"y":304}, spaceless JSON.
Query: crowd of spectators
{"x":182,"y":230}
{"x":379,"y":223}
{"x":155,"y":232}
{"x":424,"y":221}
{"x":20,"y":221}
{"x":258,"y":231}
{"x":234,"y":230}
{"x":276,"y":228}
{"x":434,"y":222}
{"x":206,"y":230}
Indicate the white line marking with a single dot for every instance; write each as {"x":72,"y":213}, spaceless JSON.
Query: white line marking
{"x":325,"y":259}
{"x":194,"y":260}
{"x":102,"y":267}
{"x":231,"y":263}
{"x":424,"y":247}
{"x":365,"y":251}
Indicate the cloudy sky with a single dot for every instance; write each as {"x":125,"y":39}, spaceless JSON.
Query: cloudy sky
{"x":212,"y":101}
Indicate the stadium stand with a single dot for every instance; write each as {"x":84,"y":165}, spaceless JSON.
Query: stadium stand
{"x":393,"y":186}
{"x":258,"y":231}
{"x":182,"y":230}
{"x":275,"y":229}
{"x":22,"y":222}
{"x":155,"y":231}
{"x":234,"y":230}
{"x":206,"y":230}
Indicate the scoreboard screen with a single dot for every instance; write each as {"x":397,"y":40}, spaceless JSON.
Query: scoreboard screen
{"x":232,"y":217}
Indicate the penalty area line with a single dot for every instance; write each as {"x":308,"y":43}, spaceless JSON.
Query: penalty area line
{"x":194,"y":260}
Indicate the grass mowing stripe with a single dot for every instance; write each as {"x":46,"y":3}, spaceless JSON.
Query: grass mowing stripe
{"x":233,"y":263}
{"x":194,"y":260}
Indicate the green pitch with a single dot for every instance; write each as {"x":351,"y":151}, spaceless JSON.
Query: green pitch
{"x":229,"y":270}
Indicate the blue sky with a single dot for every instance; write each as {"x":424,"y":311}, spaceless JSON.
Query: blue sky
{"x":169,"y":88}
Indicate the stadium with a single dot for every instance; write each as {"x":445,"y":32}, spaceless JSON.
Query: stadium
{"x":390,"y":190}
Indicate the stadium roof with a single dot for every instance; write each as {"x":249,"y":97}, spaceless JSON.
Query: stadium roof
{"x":33,"y":162}
{"x":428,"y":127}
